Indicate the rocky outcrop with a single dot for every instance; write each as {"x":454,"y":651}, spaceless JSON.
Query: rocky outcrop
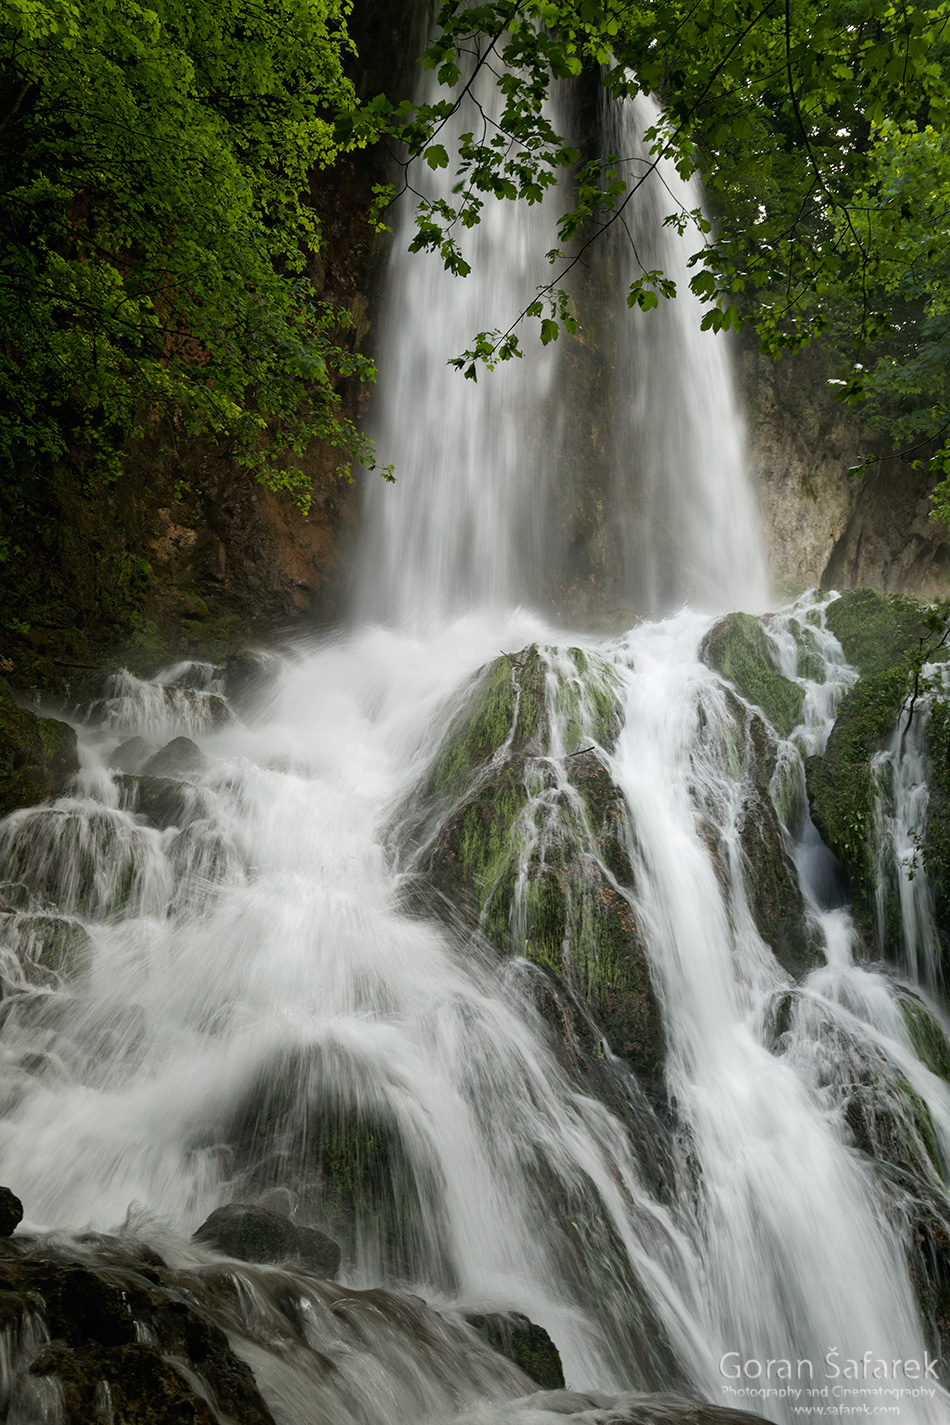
{"x":529,"y":848}
{"x":122,"y":1330}
{"x":37,"y":755}
{"x":880,"y":636}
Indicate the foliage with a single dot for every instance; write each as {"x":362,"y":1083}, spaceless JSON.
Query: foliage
{"x":156,"y":229}
{"x":819,"y":131}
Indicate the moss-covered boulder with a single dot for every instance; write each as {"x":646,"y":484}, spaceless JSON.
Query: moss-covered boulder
{"x":931,"y":1044}
{"x":875,"y":630}
{"x":523,"y":838}
{"x":520,"y":1340}
{"x":37,"y":755}
{"x":737,"y":648}
{"x":58,"y":943}
{"x":841,"y":785}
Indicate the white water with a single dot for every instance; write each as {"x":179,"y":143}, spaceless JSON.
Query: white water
{"x":682,"y":510}
{"x":259,"y":940}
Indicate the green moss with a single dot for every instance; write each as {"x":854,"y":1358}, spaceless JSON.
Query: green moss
{"x":478,"y":730}
{"x":875,"y":630}
{"x":840,"y":785}
{"x":37,"y":754}
{"x":936,"y":840}
{"x":528,"y":1346}
{"x":930,"y":1043}
{"x":737,"y":648}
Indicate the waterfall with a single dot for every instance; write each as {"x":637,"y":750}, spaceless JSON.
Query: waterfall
{"x":222,"y":980}
{"x":682,"y":512}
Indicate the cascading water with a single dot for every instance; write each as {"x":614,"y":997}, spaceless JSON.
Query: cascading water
{"x":219,"y":988}
{"x":682,"y":513}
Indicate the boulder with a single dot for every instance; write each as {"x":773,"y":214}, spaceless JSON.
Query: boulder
{"x":521,"y":1341}
{"x":131,"y":755}
{"x":37,"y":755}
{"x":179,"y":758}
{"x":163,"y":801}
{"x":95,"y":1319}
{"x":257,"y":1234}
{"x":841,"y":788}
{"x":738,"y":649}
{"x":876,"y":631}
{"x":11,"y":1212}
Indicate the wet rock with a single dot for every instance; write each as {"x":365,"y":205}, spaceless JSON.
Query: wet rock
{"x":928,"y":1235}
{"x":774,"y":893}
{"x":131,"y":755}
{"x":58,"y":943}
{"x":179,"y":758}
{"x":164,"y":801}
{"x":257,"y":1234}
{"x":37,"y":755}
{"x":737,"y":648}
{"x":143,"y":1388}
{"x":118,"y":1333}
{"x":931,"y":1044}
{"x":11,"y":1212}
{"x":595,"y":1408}
{"x":533,"y":857}
{"x":841,"y":788}
{"x":527,"y":1345}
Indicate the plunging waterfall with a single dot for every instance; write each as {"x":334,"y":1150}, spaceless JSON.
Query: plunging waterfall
{"x":445,"y":941}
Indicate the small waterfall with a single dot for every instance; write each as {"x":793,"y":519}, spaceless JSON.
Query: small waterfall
{"x":900,"y":806}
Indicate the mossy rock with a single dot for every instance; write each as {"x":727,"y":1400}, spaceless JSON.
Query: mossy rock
{"x":936,"y":839}
{"x":774,"y":894}
{"x":890,"y":1122}
{"x":527,"y":1345}
{"x":37,"y":755}
{"x":931,"y":1044}
{"x":492,"y":793}
{"x":343,"y":1163}
{"x":928,"y":1233}
{"x":508,"y":705}
{"x":840,"y":784}
{"x":737,"y":648}
{"x":564,"y":909}
{"x":875,"y":630}
{"x":55,"y":942}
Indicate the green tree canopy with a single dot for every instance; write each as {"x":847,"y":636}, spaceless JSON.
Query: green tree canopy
{"x":155,"y":227}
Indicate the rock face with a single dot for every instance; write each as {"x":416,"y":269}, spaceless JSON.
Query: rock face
{"x":879,"y":634}
{"x":37,"y":755}
{"x":822,"y":526}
